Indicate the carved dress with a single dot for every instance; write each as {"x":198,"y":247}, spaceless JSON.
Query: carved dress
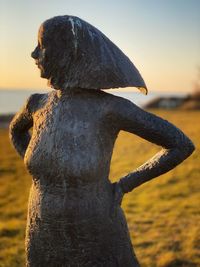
{"x":73,"y":218}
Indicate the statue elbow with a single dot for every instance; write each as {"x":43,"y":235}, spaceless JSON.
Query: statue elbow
{"x":11,"y":131}
{"x":188,"y":148}
{"x":191,"y":147}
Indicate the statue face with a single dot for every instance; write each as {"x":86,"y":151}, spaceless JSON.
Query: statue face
{"x":40,"y":55}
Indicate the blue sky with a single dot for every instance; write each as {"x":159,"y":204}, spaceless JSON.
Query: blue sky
{"x":161,"y":37}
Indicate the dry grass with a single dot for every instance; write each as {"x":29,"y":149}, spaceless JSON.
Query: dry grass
{"x":163,"y":215}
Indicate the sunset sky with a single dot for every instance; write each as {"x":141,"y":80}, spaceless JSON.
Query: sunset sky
{"x":161,"y":37}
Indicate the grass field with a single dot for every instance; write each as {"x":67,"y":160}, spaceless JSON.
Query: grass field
{"x":163,"y":215}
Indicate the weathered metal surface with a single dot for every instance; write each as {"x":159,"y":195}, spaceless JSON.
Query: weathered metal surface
{"x":74,"y":214}
{"x":79,"y":55}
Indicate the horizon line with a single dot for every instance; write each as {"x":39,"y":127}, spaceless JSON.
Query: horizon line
{"x":127,"y":89}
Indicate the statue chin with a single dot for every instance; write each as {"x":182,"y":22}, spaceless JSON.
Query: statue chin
{"x":43,"y":74}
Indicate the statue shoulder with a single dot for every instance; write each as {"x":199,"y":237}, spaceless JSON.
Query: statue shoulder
{"x":36,"y":101}
{"x":115,"y":103}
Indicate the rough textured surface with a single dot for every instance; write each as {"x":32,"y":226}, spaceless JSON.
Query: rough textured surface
{"x":79,"y":55}
{"x":74,"y":214}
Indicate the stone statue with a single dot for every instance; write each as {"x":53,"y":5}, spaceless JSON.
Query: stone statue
{"x":74,"y":213}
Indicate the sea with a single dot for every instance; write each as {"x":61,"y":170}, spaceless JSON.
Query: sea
{"x":12,"y":100}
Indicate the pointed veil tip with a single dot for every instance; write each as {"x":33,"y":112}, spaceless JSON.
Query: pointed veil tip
{"x":143,"y":90}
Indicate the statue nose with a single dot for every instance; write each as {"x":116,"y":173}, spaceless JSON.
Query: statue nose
{"x":34,"y":54}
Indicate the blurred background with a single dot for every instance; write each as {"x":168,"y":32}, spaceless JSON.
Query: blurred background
{"x":162,"y":39}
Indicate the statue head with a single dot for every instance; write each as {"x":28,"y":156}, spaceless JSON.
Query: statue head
{"x":71,"y":53}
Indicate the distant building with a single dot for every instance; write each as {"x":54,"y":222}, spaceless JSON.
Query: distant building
{"x":190,"y":102}
{"x":166,"y":102}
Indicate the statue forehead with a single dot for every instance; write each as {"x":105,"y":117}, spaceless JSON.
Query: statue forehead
{"x":59,"y":24}
{"x":54,"y":25}
{"x":40,"y":33}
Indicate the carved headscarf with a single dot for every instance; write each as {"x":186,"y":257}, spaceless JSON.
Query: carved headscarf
{"x":83,"y":57}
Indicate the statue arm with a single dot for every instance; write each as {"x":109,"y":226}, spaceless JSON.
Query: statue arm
{"x":176,"y":146}
{"x":19,"y":127}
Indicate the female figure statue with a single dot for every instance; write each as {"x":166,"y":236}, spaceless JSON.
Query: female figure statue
{"x":74,"y":214}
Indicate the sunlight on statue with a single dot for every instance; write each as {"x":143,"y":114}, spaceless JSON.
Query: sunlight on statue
{"x":74,"y":214}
